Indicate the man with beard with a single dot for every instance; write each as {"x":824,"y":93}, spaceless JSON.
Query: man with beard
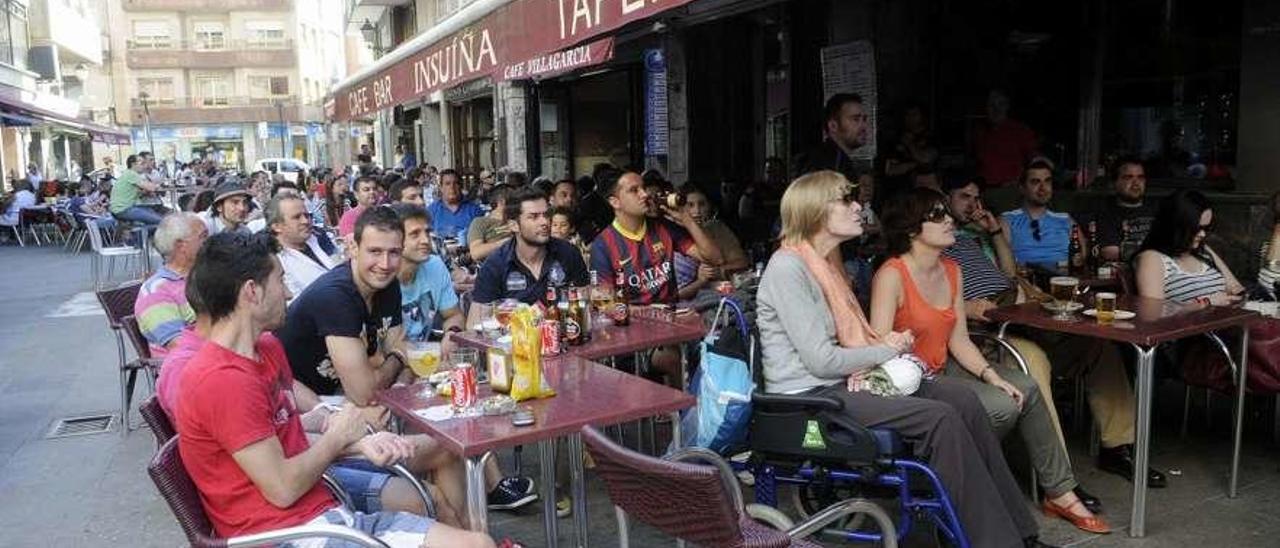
{"x":845,"y":131}
{"x":1124,"y":222}
{"x":1039,"y":237}
{"x":230,"y":210}
{"x":524,"y":266}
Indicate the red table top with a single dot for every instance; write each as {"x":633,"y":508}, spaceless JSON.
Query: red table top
{"x":1157,"y":320}
{"x":649,"y":328}
{"x":586,"y":393}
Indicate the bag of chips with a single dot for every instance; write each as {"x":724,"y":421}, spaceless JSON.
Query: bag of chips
{"x":526,"y":351}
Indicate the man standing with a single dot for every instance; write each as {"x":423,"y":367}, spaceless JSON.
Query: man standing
{"x":525,"y":265}
{"x":425,"y":286}
{"x":302,"y":254}
{"x":451,"y":216}
{"x":1002,"y":145}
{"x":251,"y":460}
{"x":126,"y":190}
{"x":1039,"y":236}
{"x":161,"y":307}
{"x":644,"y":249}
{"x":366,"y":191}
{"x":230,"y":209}
{"x":345,"y":335}
{"x":845,"y":131}
{"x":1124,"y":222}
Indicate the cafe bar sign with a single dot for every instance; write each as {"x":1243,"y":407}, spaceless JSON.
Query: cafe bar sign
{"x":521,"y":40}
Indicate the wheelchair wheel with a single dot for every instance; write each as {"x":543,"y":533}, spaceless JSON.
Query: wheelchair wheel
{"x":810,"y":498}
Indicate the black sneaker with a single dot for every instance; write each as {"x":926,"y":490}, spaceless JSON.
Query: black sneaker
{"x":512,"y":493}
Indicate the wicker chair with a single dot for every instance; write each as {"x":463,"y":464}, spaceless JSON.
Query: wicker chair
{"x":158,"y":420}
{"x":180,"y":492}
{"x":118,"y":305}
{"x":698,"y":503}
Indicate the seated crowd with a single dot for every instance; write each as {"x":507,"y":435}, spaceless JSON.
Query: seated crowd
{"x":287,"y":319}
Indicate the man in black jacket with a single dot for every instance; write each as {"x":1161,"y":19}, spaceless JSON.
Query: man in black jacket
{"x":845,"y":130}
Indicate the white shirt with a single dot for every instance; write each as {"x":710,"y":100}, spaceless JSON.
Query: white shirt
{"x":300,"y":270}
{"x":21,"y":199}
{"x":216,"y":226}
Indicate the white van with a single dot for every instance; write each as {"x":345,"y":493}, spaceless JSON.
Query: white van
{"x":287,"y":167}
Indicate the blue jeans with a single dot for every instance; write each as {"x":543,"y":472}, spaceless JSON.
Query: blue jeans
{"x":362,"y":481}
{"x":139,"y":214}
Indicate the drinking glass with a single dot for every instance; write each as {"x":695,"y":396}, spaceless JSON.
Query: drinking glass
{"x":424,"y":357}
{"x":460,"y":356}
{"x":1063,"y":291}
{"x":1104,"y":304}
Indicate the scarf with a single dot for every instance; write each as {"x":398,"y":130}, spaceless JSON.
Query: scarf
{"x":852,"y":327}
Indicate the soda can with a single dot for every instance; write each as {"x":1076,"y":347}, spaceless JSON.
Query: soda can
{"x":724,"y":288}
{"x":550,"y":330}
{"x":463,"y":382}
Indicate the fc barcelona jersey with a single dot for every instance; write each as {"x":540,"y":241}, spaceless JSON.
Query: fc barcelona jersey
{"x":647,"y":259}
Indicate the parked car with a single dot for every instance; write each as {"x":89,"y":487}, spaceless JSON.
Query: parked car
{"x":287,"y":167}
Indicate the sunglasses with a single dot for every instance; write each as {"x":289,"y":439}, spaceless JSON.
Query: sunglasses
{"x":938,"y":214}
{"x":850,"y":194}
{"x":1035,"y":229}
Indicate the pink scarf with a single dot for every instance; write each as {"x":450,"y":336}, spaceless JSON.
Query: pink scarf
{"x":852,"y":328}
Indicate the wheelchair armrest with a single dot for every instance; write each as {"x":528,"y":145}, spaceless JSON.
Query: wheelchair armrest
{"x":796,"y":401}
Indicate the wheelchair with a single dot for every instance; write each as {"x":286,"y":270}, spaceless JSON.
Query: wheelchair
{"x":808,"y":443}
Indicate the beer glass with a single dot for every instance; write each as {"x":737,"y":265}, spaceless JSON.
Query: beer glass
{"x":1105,"y":307}
{"x":423,"y":356}
{"x":1063,"y":291}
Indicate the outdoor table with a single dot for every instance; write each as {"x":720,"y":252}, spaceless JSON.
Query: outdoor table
{"x":586,"y":393}
{"x":649,"y":328}
{"x":1157,"y":321}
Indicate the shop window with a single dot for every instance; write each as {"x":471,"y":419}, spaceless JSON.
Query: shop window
{"x":265,"y":34}
{"x":210,"y":36}
{"x":151,"y":35}
{"x":213,"y":91}
{"x":159,"y":90}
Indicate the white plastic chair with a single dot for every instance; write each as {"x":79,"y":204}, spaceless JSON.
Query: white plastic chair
{"x":100,"y":251}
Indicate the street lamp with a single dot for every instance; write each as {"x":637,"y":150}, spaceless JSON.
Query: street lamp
{"x":146,"y":121}
{"x":372,"y":37}
{"x":284,"y":129}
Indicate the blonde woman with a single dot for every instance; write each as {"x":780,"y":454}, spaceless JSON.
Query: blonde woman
{"x":817,"y":341}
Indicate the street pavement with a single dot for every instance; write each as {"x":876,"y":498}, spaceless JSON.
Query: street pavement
{"x":58,"y":359}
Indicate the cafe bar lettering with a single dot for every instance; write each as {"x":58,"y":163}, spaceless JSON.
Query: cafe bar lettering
{"x":524,"y":39}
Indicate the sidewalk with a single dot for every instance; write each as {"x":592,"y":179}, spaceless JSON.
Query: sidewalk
{"x":93,"y":490}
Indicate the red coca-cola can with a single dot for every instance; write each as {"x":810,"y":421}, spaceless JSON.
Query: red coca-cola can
{"x":550,"y":330}
{"x":463,"y":382}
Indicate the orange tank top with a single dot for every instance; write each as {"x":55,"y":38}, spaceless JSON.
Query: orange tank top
{"x":930,"y":325}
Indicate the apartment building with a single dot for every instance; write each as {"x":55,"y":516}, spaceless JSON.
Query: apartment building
{"x":236,"y":80}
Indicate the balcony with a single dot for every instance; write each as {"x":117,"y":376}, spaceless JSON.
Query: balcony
{"x":153,"y":54}
{"x":221,"y":6}
{"x":224,"y":110}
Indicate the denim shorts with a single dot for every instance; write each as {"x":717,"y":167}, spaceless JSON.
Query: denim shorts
{"x":396,"y":529}
{"x":362,"y":481}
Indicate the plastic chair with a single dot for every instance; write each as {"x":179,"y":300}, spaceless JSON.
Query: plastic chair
{"x":175,"y":485}
{"x":101,"y":251}
{"x":699,"y":503}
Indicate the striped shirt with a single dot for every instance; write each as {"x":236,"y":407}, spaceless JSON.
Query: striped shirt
{"x":162,"y":310}
{"x":1054,"y":231}
{"x":1267,"y":275}
{"x":981,"y":276}
{"x":1182,"y":286}
{"x":646,"y":258}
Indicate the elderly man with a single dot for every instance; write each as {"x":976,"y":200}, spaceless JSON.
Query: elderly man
{"x":230,"y":209}
{"x":451,"y":215}
{"x":161,"y":308}
{"x":303,"y":255}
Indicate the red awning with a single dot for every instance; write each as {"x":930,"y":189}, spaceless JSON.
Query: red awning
{"x":11,"y":101}
{"x":520,"y":40}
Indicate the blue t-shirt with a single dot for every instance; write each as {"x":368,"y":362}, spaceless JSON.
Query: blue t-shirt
{"x":430,"y":293}
{"x":453,"y":224}
{"x":1042,"y":241}
{"x":503,"y":276}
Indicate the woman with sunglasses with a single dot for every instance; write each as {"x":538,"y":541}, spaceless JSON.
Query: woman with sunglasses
{"x":918,"y":290}
{"x":1174,"y":263}
{"x":816,"y":341}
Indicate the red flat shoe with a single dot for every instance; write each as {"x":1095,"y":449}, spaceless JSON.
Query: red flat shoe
{"x":1094,"y":524}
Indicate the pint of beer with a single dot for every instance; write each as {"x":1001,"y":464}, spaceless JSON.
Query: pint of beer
{"x":1105,"y":305}
{"x":1063,"y":290}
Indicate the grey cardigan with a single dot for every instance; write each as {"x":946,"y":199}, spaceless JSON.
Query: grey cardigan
{"x":798,"y":333}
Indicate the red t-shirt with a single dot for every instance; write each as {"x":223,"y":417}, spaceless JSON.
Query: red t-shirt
{"x":1003,"y":150}
{"x":228,"y":403}
{"x":347,"y":224}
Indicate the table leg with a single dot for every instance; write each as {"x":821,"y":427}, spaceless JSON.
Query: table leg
{"x":1142,"y":439}
{"x":547,"y":465}
{"x":1241,"y":384}
{"x":642,"y":367}
{"x":577,"y":483}
{"x":477,"y":508}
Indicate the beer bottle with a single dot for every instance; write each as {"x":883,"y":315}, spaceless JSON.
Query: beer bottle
{"x":585,"y":320}
{"x":1075,"y":250}
{"x":573,"y":321}
{"x":551,"y":309}
{"x":621,"y":312}
{"x":670,"y":199}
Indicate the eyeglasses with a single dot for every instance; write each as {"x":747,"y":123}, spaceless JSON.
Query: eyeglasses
{"x":850,"y":194}
{"x":1035,"y":229}
{"x":938,"y":214}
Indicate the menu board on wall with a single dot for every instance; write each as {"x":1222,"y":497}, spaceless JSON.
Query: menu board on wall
{"x":851,"y":68}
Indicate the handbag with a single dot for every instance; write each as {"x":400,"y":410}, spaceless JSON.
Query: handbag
{"x":1204,"y":364}
{"x":722,"y":385}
